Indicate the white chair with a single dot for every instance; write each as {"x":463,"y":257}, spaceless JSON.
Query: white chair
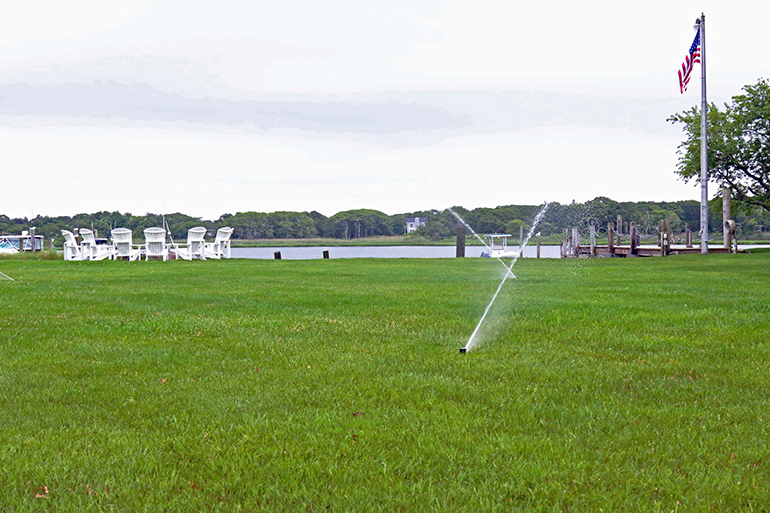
{"x":220,"y":248}
{"x":72,"y":250}
{"x":196,"y":245}
{"x":91,"y":249}
{"x":155,"y":244}
{"x":123,"y":246}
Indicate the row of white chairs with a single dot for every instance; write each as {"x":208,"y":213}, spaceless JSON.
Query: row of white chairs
{"x":121,"y":245}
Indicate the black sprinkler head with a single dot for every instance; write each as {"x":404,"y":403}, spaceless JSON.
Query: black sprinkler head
{"x":462,"y":349}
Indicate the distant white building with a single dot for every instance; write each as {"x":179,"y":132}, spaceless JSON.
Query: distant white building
{"x":412,"y":223}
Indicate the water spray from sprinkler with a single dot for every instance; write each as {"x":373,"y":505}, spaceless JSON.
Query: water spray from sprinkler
{"x":537,"y":219}
{"x":490,"y":252}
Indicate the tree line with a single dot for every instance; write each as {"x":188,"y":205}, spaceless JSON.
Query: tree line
{"x":753,"y":222}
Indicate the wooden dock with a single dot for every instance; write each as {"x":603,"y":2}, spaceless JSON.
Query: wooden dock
{"x":641,"y":251}
{"x":571,"y":246}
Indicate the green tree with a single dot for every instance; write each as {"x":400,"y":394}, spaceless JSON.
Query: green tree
{"x":250,"y":225}
{"x":600,"y":211}
{"x":738,"y":145}
{"x":516,"y":227}
{"x":292,"y":225}
{"x":353,"y":224}
{"x":439,"y":225}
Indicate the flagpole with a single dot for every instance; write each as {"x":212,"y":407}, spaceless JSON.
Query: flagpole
{"x":704,"y":196}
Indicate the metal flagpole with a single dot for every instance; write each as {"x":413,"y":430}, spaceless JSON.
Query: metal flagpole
{"x":704,"y":196}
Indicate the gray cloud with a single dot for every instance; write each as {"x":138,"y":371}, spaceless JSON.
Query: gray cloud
{"x":420,"y":116}
{"x":141,"y":102}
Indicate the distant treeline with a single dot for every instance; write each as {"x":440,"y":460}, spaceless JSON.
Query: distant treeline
{"x":352,"y":224}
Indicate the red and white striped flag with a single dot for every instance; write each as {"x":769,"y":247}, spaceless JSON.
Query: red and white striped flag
{"x":689,"y":62}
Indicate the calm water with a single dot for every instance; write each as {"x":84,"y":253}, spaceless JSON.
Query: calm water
{"x":392,"y":252}
{"x":310,"y":253}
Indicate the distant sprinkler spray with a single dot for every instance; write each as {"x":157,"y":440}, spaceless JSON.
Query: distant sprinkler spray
{"x":538,"y":217}
{"x":489,"y":250}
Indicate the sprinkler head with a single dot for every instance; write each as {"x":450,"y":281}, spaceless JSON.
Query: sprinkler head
{"x":462,"y":349}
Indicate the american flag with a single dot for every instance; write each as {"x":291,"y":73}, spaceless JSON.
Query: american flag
{"x":689,"y":62}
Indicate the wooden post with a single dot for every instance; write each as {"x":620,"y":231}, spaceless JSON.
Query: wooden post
{"x":637,"y":237}
{"x":277,"y":255}
{"x":619,"y":227}
{"x":661,"y":243}
{"x":32,"y":239}
{"x":538,"y":245}
{"x":460,"y":245}
{"x":593,"y":240}
{"x":575,"y":242}
{"x":564,"y":238}
{"x":632,"y":232}
{"x":665,"y":237}
{"x":326,"y":253}
{"x":610,"y":239}
{"x":688,"y":236}
{"x":732,"y":234}
{"x":727,"y":236}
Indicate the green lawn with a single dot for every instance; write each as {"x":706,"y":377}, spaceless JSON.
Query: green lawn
{"x":337,"y":385}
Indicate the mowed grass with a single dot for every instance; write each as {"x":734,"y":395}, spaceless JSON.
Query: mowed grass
{"x":337,"y":385}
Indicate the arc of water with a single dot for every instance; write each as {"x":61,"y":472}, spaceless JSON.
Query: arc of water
{"x":531,"y":231}
{"x":481,"y":321}
{"x":484,"y":243}
{"x":537,"y":219}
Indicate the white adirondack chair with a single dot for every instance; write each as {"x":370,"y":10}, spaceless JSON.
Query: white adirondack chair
{"x":72,"y":250}
{"x":123,"y":246}
{"x":155,"y":244}
{"x":196,"y":245}
{"x":220,"y":248}
{"x":92,"y":250}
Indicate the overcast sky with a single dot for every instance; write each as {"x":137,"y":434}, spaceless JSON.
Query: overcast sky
{"x":221,"y":107}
